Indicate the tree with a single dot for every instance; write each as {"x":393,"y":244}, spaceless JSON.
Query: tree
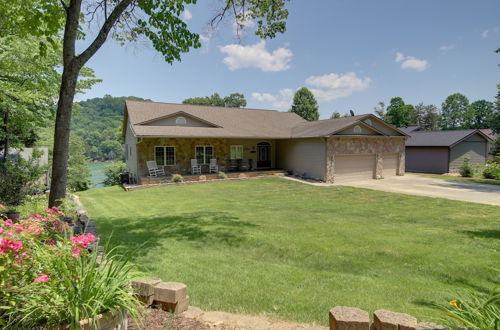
{"x":78,"y":165}
{"x":158,"y":21}
{"x":479,"y":115}
{"x":495,"y":118}
{"x":453,"y":111}
{"x":427,"y":117}
{"x":305,"y":105}
{"x":335,"y":115}
{"x":400,"y":114}
{"x":234,"y":100}
{"x":380,"y":111}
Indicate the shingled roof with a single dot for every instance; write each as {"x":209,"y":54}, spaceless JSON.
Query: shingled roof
{"x":229,"y":122}
{"x":440,"y":138}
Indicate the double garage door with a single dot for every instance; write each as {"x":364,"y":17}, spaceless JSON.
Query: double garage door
{"x":362,"y":166}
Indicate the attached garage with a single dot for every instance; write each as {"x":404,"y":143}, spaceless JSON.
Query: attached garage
{"x":354,"y":167}
{"x":390,"y":164}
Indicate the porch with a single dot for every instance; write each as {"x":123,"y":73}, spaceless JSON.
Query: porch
{"x":145,"y":180}
{"x":174,"y":155}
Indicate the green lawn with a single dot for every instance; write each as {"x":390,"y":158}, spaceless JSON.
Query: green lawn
{"x":293,"y":251}
{"x":459,"y":178}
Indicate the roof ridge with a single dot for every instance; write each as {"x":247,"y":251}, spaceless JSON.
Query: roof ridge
{"x":207,"y":106}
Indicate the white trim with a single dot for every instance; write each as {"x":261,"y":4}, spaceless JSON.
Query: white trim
{"x":231,"y":150}
{"x":165,"y":155}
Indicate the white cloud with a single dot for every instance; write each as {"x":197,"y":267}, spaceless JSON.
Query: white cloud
{"x":411,"y":62}
{"x":485,"y":33}
{"x":240,"y":27}
{"x":239,"y":56}
{"x":333,"y":86}
{"x":186,"y":15}
{"x":446,"y":48}
{"x":282,"y":100}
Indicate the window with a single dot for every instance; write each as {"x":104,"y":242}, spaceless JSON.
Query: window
{"x":165,"y":155}
{"x":203,"y":154}
{"x":236,"y":152}
{"x":357,"y":129}
{"x":180,"y":121}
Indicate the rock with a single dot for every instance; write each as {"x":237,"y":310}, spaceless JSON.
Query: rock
{"x":349,"y":318}
{"x":387,"y":320}
{"x":202,"y":178}
{"x":431,"y":326}
{"x":144,"y":290}
{"x":192,"y":312}
{"x":177,"y":307}
{"x":242,"y":175}
{"x":170,"y":292}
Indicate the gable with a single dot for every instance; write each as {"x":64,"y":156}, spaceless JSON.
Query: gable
{"x":180,"y":119}
{"x":359,"y":129}
{"x":382,"y":126}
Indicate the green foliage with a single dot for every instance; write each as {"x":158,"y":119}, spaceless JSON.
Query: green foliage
{"x":19,"y":179}
{"x":491,"y":171}
{"x":234,"y":100}
{"x":427,"y":117}
{"x":98,"y":121}
{"x":466,"y":169}
{"x":305,"y":104}
{"x":78,"y":166}
{"x":177,"y":178}
{"x":454,"y":111}
{"x":475,"y":310}
{"x":400,"y":114}
{"x":334,"y":115}
{"x":479,"y":115}
{"x":222,"y":175}
{"x":112,"y":172}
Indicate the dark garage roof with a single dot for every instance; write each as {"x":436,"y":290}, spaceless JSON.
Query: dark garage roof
{"x":440,"y":138}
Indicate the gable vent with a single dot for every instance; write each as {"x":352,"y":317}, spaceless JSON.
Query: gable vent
{"x":357,"y":129}
{"x":180,"y":121}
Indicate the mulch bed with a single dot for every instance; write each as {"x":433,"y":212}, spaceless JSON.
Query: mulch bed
{"x":158,"y":319}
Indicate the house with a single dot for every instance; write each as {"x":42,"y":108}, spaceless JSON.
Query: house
{"x":444,"y":151}
{"x":27,"y":154}
{"x":329,"y":150}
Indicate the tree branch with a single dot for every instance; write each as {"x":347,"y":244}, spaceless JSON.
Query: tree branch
{"x":103,"y":33}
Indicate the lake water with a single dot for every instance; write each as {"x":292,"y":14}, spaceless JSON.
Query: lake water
{"x":97,"y":172}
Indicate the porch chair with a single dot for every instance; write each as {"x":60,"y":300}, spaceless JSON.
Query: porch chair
{"x":214,"y":168}
{"x":195,"y":167}
{"x":154,"y":170}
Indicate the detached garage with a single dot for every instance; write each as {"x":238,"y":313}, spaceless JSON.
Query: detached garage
{"x":344,"y":149}
{"x":444,"y":151}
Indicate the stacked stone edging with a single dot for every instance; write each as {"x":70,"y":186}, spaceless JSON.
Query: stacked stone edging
{"x":171,"y":296}
{"x":351,"y":318}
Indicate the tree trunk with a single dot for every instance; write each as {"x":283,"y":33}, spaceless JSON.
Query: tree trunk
{"x":61,"y":136}
{"x":6,"y":141}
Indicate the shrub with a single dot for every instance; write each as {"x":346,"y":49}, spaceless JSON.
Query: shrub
{"x":177,"y":178}
{"x":491,"y":171}
{"x":48,"y":279}
{"x":112,"y":172}
{"x":19,"y":178}
{"x":466,"y":169}
{"x":475,"y":310}
{"x":222,"y":175}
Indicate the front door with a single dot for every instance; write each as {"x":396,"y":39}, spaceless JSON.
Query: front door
{"x":263,"y":155}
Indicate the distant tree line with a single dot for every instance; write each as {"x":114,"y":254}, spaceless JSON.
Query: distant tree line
{"x":234,"y":100}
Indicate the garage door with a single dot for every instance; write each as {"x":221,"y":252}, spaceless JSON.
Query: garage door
{"x":353,"y":167}
{"x":390,"y":164}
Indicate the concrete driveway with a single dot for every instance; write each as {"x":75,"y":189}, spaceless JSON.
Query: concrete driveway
{"x":416,"y":185}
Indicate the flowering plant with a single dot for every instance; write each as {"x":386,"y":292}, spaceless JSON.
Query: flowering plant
{"x":49,"y":278}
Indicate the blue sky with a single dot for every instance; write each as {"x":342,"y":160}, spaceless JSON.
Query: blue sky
{"x":352,"y":54}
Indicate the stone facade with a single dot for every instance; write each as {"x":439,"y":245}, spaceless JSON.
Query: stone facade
{"x":185,"y":151}
{"x":364,"y":145}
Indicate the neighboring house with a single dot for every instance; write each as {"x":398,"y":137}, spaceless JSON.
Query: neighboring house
{"x":444,"y":151}
{"x":27,"y":153}
{"x":330,"y":150}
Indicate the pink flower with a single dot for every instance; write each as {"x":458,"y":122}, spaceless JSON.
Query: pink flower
{"x":43,"y":278}
{"x":10,"y":233}
{"x":19,"y":228}
{"x":76,"y":252}
{"x":7,"y":223}
{"x":1,"y":230}
{"x":7,"y":245}
{"x":83,"y":240}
